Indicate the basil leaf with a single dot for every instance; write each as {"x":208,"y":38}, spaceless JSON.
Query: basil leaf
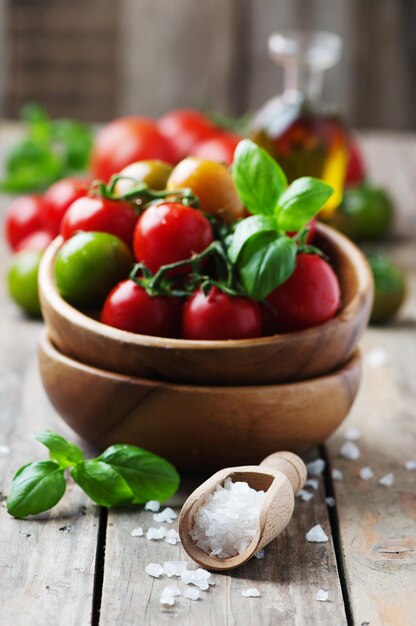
{"x":259,"y":180}
{"x":36,"y":487}
{"x":301,"y":201}
{"x":60,"y":450}
{"x":266,"y":263}
{"x":149,"y":476}
{"x":102,"y":483}
{"x":248,"y":228}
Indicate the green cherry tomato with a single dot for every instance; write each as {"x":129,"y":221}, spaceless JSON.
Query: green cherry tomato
{"x":365,"y":213}
{"x":390,"y":288}
{"x":22,"y":280}
{"x":89,"y":265}
{"x":152,"y":172}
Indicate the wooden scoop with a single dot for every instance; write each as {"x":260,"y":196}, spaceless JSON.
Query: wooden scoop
{"x":281,"y":475}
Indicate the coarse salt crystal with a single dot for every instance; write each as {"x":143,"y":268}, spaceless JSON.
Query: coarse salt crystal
{"x":312,"y":482}
{"x":137,"y":532}
{"x":251,"y":592}
{"x":169,"y":594}
{"x":152,"y":505}
{"x":352,"y":433}
{"x":304,"y":495}
{"x":192,"y":594}
{"x":156,"y":533}
{"x":350,"y":451}
{"x":337,"y":474}
{"x":172,"y":537}
{"x":167,"y":515}
{"x":4,"y":449}
{"x":322,"y":595}
{"x":198,"y":577}
{"x":260,"y":554}
{"x":316,"y":534}
{"x":387,"y":480}
{"x":377,"y":357}
{"x":174,"y":568}
{"x":330,"y":501}
{"x":410,"y":465}
{"x":366,"y":473}
{"x":226,"y":523}
{"x":315,"y":468}
{"x":154,"y":569}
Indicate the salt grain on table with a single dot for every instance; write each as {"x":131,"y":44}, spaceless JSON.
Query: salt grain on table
{"x":174,"y":568}
{"x":168,"y":515}
{"x":4,"y":449}
{"x":387,"y":480}
{"x":316,"y":535}
{"x":137,"y":532}
{"x":152,"y":505}
{"x":350,"y":451}
{"x":330,"y":501}
{"x":322,"y":595}
{"x":172,"y":537}
{"x":304,"y":495}
{"x":154,"y":569}
{"x":260,"y":554}
{"x":227,"y":522}
{"x":156,"y":533}
{"x":352,"y":433}
{"x":312,"y":482}
{"x":315,"y":468}
{"x":410,"y":465}
{"x":199,"y":577}
{"x":169,"y":594}
{"x":337,"y":474}
{"x":251,"y":592}
{"x":366,"y":473}
{"x":192,"y":594}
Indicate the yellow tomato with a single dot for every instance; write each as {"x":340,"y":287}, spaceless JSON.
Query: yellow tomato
{"x":152,"y":172}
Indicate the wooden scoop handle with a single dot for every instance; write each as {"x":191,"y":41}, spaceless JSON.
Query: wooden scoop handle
{"x":289,"y":464}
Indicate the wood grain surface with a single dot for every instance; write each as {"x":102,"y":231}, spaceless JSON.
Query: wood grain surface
{"x":368,"y":565}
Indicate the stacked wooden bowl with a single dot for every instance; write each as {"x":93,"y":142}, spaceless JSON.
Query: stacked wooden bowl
{"x":206,"y":404}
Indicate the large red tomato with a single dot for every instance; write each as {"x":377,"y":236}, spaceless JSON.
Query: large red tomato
{"x":185,"y":128}
{"x":170,"y":232}
{"x":310,"y":296}
{"x":220,"y":316}
{"x":59,"y":197}
{"x":100,"y":215}
{"x":220,"y":147}
{"x":126,"y":140}
{"x":24,"y":216}
{"x":130,"y":308}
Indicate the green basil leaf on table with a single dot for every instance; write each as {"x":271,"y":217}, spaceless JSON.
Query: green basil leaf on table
{"x":148,"y":476}
{"x":62,"y":451}
{"x":266,"y":263}
{"x":259,"y":180}
{"x":102,"y":483}
{"x":36,"y":488}
{"x":301,"y":201}
{"x":246,"y":230}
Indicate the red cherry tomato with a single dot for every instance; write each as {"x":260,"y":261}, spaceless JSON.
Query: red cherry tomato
{"x":312,"y":225}
{"x":59,"y":197}
{"x":170,"y":232}
{"x":220,"y":316}
{"x":355,"y":174}
{"x":39,"y":240}
{"x":129,"y":307}
{"x":100,"y":215}
{"x":220,"y":147}
{"x":310,"y":296}
{"x":127,"y":140}
{"x":24,"y":216}
{"x":185,"y":128}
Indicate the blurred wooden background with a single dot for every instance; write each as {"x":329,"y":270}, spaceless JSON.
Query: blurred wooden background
{"x":95,"y":59}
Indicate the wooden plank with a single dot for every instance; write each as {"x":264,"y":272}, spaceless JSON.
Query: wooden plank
{"x":377,"y":523}
{"x":46,"y":563}
{"x":288,"y":578}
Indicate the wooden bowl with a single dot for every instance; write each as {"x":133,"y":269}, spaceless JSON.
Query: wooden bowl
{"x":267,"y":360}
{"x":197,"y":428}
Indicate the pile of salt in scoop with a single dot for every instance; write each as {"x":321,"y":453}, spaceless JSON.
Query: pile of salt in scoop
{"x":226,"y":523}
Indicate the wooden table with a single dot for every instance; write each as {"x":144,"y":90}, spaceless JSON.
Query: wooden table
{"x":80,"y":565}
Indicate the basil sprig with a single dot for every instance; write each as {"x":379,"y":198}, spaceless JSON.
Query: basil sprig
{"x":264,"y":254}
{"x":122,"y":474}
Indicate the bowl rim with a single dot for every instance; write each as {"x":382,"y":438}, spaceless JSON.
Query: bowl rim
{"x":47,"y":346}
{"x":49,"y":292}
